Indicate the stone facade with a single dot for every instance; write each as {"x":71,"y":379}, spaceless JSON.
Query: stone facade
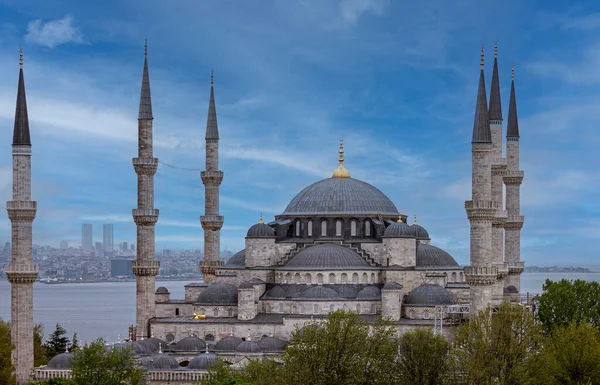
{"x":145,"y":216}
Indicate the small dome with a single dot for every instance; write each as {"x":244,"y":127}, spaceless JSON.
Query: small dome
{"x":245,"y":285}
{"x":190,"y":344}
{"x":61,"y":361}
{"x":511,"y":290}
{"x":347,"y":291}
{"x":429,"y":295}
{"x":369,"y":292}
{"x":248,"y":347}
{"x":326,"y":256}
{"x":431,"y":256}
{"x":160,"y":361}
{"x":203,"y":361}
{"x":162,"y":290}
{"x":152,"y":344}
{"x":237,"y":259}
{"x":272,"y":345}
{"x":420,"y":232}
{"x":275,"y":292}
{"x":392,"y":286}
{"x":320,"y":292}
{"x":260,"y":230}
{"x":399,"y":230}
{"x":139,"y":347}
{"x":219,"y":294}
{"x":228,"y":344}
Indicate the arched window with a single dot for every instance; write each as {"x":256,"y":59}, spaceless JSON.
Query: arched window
{"x":202,"y":311}
{"x":454,"y":277}
{"x":309,"y":228}
{"x":216,"y":312}
{"x":281,"y":308}
{"x":461,"y":277}
{"x":324,"y":228}
{"x":316,"y":308}
{"x":176,"y":311}
{"x":367,"y":229}
{"x":170,"y":337}
{"x":294,"y":309}
{"x":297,"y":278}
{"x":331,"y":278}
{"x":365,"y":278}
{"x":298,"y":228}
{"x":209,"y":338}
{"x":308,"y":278}
{"x":355,"y":278}
{"x":288,"y":278}
{"x":344,"y":278}
{"x":358,"y":307}
{"x":374,"y":309}
{"x":353,"y":228}
{"x":411,"y":314}
{"x":319,"y":278}
{"x":338,"y":228}
{"x":230,"y":312}
{"x":373,"y":278}
{"x":426,"y":314}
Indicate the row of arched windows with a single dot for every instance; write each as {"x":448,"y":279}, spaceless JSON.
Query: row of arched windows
{"x":216,"y":312}
{"x":337,"y":231}
{"x":454,"y":277}
{"x":316,"y":308}
{"x":330,"y":278}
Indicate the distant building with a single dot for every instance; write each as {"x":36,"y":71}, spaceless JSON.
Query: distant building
{"x":87,"y":242}
{"x":98,"y":248}
{"x":124,"y":246}
{"x":108,"y":233}
{"x":121,"y":267}
{"x":132,"y":247}
{"x":64,"y":245}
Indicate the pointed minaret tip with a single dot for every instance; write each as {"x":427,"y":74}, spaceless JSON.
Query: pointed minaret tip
{"x":21,"y":58}
{"x":212,"y":77}
{"x":481,"y":124}
{"x":512,"y":75}
{"x":145,"y":47}
{"x":495,"y":108}
{"x":482,"y":60}
{"x":512,"y":129}
{"x":212,"y":128}
{"x":496,"y":49}
{"x":145,"y":111}
{"x":21,"y":135}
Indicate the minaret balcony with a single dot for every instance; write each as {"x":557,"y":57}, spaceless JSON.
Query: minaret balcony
{"x":513,"y":177}
{"x":498,"y":162}
{"x":211,"y":178}
{"x":21,"y":210}
{"x":502,"y":269}
{"x":480,"y":276}
{"x":145,"y":268}
{"x":145,"y":217}
{"x":211,"y":222}
{"x":482,"y":210}
{"x":515,"y":268}
{"x":514,"y":222}
{"x":145,"y":166}
{"x":21,"y":272}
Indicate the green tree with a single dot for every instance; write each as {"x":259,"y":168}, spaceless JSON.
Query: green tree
{"x":6,"y":366}
{"x":74,"y":343}
{"x":565,"y":302}
{"x":57,"y":342}
{"x":94,"y":364}
{"x":40,"y":355}
{"x":256,"y":372}
{"x":492,"y":348}
{"x":53,"y":381}
{"x":424,"y":358}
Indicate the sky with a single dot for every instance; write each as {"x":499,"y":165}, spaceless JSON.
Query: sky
{"x":397,"y":80}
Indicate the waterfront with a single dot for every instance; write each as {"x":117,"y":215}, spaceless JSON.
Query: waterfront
{"x":106,"y":309}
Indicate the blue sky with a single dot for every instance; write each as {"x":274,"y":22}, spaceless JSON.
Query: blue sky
{"x":396,"y":79}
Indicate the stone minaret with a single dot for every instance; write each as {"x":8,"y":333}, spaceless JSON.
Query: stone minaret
{"x":498,"y":164}
{"x":481,"y":275}
{"x":513,"y":178}
{"x":21,"y":272}
{"x":212,"y":178}
{"x":145,"y":216}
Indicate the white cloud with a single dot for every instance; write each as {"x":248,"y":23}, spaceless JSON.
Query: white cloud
{"x":53,"y":33}
{"x":352,"y":10}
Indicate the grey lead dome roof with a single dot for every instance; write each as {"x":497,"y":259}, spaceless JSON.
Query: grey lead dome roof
{"x":327,"y":256}
{"x":237,"y":259}
{"x":61,"y":361}
{"x":429,"y":295}
{"x":399,"y":230}
{"x":160,"y":361}
{"x":431,"y":256}
{"x":219,"y":294}
{"x":340,"y":196}
{"x":260,"y":230}
{"x":203,"y":361}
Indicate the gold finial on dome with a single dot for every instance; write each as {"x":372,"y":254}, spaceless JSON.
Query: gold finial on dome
{"x":341,"y":172}
{"x":400,"y":218}
{"x":260,"y":220}
{"x":21,"y":58}
{"x":415,"y":221}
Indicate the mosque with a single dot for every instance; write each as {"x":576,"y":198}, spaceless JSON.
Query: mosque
{"x":341,"y":243}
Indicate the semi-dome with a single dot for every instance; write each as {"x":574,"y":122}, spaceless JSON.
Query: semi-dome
{"x":327,"y":256}
{"x":219,"y":294}
{"x":275,"y":292}
{"x":190,"y":344}
{"x":429,"y":295}
{"x":320,"y":292}
{"x":248,"y":347}
{"x":399,"y":230}
{"x":237,"y":259}
{"x":228,"y":344}
{"x":272,"y":345}
{"x":341,"y":196}
{"x":160,"y":361}
{"x":431,"y":256}
{"x":162,"y":290}
{"x":369,"y":292}
{"x":203,"y":361}
{"x":61,"y":361}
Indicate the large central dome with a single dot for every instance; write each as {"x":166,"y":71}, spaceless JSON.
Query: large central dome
{"x":340,"y":196}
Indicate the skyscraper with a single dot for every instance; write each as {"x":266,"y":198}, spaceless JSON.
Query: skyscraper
{"x":87,"y":241}
{"x":108,"y":239}
{"x":64,"y":245}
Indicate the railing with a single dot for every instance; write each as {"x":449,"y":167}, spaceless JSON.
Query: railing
{"x":515,"y":218}
{"x":482,"y":205}
{"x":143,"y":161}
{"x":514,"y":174}
{"x":145,"y":212}
{"x":29,"y":205}
{"x":146,"y":264}
{"x":22,"y":268}
{"x":177,"y":376}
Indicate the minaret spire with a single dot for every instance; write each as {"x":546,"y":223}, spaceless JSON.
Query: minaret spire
{"x":513,"y":121}
{"x":145,"y":215}
{"x":21,"y":272}
{"x":211,"y":221}
{"x":495,"y":111}
{"x":481,"y":125}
